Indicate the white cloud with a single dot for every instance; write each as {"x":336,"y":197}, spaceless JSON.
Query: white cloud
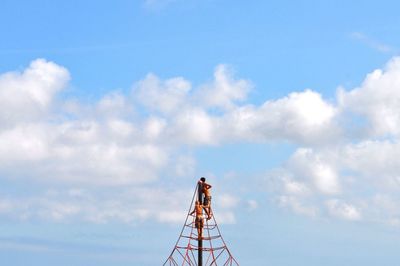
{"x":346,"y":182}
{"x":226,"y":217}
{"x":132,"y":140}
{"x":28,"y":95}
{"x":185,"y":166}
{"x":27,"y":142}
{"x":127,"y":205}
{"x":113,"y":104}
{"x":295,"y":187}
{"x":300,"y":117}
{"x":154,"y":127}
{"x":95,"y":144}
{"x":377,"y":99}
{"x":376,"y":162}
{"x":225,"y":90}
{"x":343,"y":210}
{"x":298,"y":206}
{"x":112,"y":142}
{"x":316,"y":170}
{"x":227,"y":201}
{"x":195,"y":127}
{"x":346,"y":177}
{"x":163,"y":96}
{"x":80,"y":152}
{"x":379,"y":46}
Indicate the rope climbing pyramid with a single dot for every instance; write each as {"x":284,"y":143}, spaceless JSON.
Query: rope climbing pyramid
{"x":200,"y":242}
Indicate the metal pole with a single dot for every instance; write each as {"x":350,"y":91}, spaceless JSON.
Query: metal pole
{"x":200,"y":241}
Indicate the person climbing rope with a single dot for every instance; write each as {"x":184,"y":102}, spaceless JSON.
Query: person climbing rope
{"x":199,"y":222}
{"x":207,"y":197}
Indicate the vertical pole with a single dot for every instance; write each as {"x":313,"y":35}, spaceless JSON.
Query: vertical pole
{"x":200,"y":241}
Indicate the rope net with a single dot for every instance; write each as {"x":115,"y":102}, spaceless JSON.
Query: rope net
{"x":214,"y":250}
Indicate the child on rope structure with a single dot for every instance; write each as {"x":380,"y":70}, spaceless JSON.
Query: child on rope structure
{"x":207,"y":197}
{"x":199,"y":222}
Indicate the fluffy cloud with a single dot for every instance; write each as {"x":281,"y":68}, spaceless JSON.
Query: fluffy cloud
{"x":377,"y":45}
{"x":123,"y":205}
{"x":315,"y":170}
{"x":354,"y":181}
{"x":355,"y":177}
{"x":163,"y":96}
{"x":96,"y":144}
{"x":225,"y":90}
{"x":343,"y":210}
{"x":301,"y":117}
{"x":126,"y":140}
{"x":47,"y":139}
{"x":377,"y":100}
{"x":27,"y":96}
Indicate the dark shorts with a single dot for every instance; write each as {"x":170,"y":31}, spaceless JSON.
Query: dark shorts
{"x":199,"y":222}
{"x":207,"y":201}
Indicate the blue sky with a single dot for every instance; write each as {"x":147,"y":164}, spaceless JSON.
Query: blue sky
{"x":111,"y":111}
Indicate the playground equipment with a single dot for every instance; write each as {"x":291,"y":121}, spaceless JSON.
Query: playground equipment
{"x":210,"y":248}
